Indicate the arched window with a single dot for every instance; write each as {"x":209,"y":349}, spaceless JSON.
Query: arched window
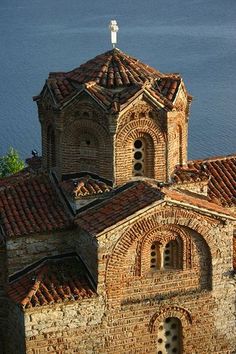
{"x":88,"y":153}
{"x":169,"y":256}
{"x":51,"y":147}
{"x":180,"y":160}
{"x":139,"y":151}
{"x":143,"y":157}
{"x":155,"y":259}
{"x":172,"y":255}
{"x":169,"y":337}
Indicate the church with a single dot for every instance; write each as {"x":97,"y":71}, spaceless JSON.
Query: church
{"x":113,"y":241}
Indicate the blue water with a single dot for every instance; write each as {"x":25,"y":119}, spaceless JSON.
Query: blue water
{"x":196,"y":38}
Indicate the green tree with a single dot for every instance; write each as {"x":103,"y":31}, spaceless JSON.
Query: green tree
{"x":10,"y":163}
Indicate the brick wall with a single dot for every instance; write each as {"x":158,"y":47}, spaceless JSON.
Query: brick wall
{"x":140,"y":122}
{"x":132,"y":301}
{"x":89,"y":139}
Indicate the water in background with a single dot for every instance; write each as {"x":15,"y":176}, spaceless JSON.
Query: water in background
{"x":196,"y":38}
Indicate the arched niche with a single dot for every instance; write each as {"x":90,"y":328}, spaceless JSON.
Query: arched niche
{"x":86,"y":147}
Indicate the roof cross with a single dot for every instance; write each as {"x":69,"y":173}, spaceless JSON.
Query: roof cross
{"x":114,"y":29}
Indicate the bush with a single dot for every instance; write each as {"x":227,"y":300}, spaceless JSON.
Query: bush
{"x":10,"y":163}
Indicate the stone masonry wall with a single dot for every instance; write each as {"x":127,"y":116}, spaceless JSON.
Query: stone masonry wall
{"x":130,"y":328}
{"x":26,"y":250}
{"x":15,"y":330}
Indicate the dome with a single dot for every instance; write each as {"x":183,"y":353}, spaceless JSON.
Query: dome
{"x":112,"y":79}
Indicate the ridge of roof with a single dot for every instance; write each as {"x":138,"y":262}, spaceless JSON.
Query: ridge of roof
{"x":123,"y":203}
{"x":84,"y":186}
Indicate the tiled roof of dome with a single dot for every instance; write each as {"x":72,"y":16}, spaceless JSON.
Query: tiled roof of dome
{"x":113,"y":78}
{"x":113,"y":69}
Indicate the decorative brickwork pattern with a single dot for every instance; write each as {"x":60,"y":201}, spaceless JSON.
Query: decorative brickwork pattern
{"x":149,"y":131}
{"x":170,"y":311}
{"x":146,"y":226}
{"x":163,"y":235}
{"x":84,"y":148}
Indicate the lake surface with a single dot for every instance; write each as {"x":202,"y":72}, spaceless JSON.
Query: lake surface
{"x":196,"y":38}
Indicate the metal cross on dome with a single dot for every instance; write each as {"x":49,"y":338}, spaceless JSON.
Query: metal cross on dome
{"x":114,"y":29}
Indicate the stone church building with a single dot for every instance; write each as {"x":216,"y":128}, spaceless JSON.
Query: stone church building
{"x":112,"y":241}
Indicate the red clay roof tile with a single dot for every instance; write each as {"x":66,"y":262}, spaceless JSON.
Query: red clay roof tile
{"x":222,"y":174}
{"x":29,"y":204}
{"x":137,"y":196}
{"x":116,"y":208}
{"x":113,"y":70}
{"x":85,"y":186}
{"x":53,"y":281}
{"x":196,"y":201}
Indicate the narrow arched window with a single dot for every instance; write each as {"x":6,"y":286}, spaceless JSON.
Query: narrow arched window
{"x":51,"y":147}
{"x":169,"y":337}
{"x":143,"y":157}
{"x":180,"y":160}
{"x":172,"y":255}
{"x":88,"y":152}
{"x":139,"y":151}
{"x":155,"y":256}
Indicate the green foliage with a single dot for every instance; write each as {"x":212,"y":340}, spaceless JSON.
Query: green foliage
{"x":10,"y":163}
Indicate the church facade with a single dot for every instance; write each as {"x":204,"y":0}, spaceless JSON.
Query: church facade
{"x":112,"y":241}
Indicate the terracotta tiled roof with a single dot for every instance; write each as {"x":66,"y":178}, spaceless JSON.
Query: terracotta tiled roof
{"x":137,"y":196}
{"x":116,"y":208}
{"x":29,"y":204}
{"x":113,"y":70}
{"x":53,"y":281}
{"x":15,"y":178}
{"x":85,"y":186}
{"x":222,"y":173}
{"x":196,"y":201}
{"x":187,"y":174}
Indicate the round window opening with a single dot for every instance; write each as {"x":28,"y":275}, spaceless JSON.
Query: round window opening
{"x":88,"y":142}
{"x":138,"y":155}
{"x":138,"y":166}
{"x":138,"y":144}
